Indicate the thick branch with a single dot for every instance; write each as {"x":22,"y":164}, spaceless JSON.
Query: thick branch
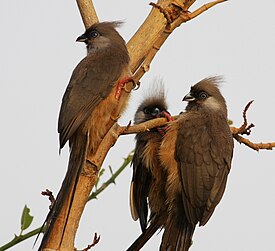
{"x":87,"y":11}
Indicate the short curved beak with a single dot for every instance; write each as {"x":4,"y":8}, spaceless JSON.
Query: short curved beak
{"x":188,"y":97}
{"x":81,"y":38}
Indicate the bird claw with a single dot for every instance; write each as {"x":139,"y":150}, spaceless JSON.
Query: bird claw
{"x":121,"y":85}
{"x":162,"y":130}
{"x":167,"y":116}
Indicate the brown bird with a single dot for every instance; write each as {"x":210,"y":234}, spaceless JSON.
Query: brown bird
{"x":87,"y":105}
{"x":196,"y":152}
{"x":149,"y":178}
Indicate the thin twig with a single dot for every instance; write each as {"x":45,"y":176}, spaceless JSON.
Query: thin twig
{"x":246,"y":129}
{"x":20,"y":238}
{"x":50,"y":196}
{"x":254,"y":146}
{"x":126,"y":162}
{"x":95,"y":241}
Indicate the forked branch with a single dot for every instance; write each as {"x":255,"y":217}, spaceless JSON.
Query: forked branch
{"x":245,"y":128}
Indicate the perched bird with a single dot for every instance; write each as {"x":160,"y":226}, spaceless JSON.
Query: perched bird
{"x":149,"y":179}
{"x":87,"y":105}
{"x":196,"y":151}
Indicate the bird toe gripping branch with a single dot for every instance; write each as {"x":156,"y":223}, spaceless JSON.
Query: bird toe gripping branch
{"x":122,"y":84}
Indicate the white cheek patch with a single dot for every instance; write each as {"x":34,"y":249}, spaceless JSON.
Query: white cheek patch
{"x":99,"y":44}
{"x":212,"y":104}
{"x":102,"y":42}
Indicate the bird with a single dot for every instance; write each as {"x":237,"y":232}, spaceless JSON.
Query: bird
{"x":93,"y":92}
{"x":196,"y":151}
{"x":147,"y":189}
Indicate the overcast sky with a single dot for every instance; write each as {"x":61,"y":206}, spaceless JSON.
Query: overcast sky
{"x":38,"y":53}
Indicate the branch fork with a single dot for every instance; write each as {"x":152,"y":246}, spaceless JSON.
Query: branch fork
{"x":245,"y":129}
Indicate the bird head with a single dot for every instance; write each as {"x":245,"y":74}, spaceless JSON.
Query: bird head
{"x":154,"y":106}
{"x":102,"y":36}
{"x":206,"y":95}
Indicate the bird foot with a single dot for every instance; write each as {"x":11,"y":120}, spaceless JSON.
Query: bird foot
{"x":121,"y":84}
{"x":162,"y":130}
{"x":167,"y":115}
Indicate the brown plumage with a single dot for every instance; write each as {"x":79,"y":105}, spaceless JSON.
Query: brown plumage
{"x":149,"y":178}
{"x":87,"y":105}
{"x":196,"y":152}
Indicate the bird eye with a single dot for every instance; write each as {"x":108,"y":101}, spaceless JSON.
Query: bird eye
{"x":152,"y":111}
{"x":203,"y":95}
{"x":94,"y":34}
{"x":155,"y":111}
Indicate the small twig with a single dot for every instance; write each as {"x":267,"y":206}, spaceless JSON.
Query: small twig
{"x":95,"y":241}
{"x":246,"y":129}
{"x":20,"y":238}
{"x":111,"y":180}
{"x":51,"y":197}
{"x":254,"y":146}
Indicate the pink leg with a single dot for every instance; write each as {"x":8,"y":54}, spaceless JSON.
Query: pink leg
{"x":166,"y":115}
{"x":162,"y":130}
{"x":121,"y":84}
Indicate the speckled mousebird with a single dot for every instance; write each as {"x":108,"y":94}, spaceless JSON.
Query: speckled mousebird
{"x":149,"y":178}
{"x":87,"y":105}
{"x":196,"y":152}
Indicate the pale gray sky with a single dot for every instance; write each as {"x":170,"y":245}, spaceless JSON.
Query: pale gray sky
{"x":38,"y":53}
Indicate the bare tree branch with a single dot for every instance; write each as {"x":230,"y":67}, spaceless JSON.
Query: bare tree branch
{"x":246,"y":129}
{"x":95,"y":241}
{"x":87,"y":11}
{"x":254,"y":146}
{"x":50,"y":195}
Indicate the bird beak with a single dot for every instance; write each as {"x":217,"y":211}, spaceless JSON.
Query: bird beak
{"x":82,"y":38}
{"x":188,"y":97}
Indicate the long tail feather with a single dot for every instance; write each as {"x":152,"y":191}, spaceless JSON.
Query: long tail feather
{"x":77,"y":159}
{"x":177,"y":235}
{"x":145,"y":236}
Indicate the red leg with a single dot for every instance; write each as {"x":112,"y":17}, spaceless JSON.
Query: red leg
{"x":121,"y":84}
{"x":167,"y":115}
{"x":162,"y":130}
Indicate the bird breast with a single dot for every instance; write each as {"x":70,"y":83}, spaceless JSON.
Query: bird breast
{"x":166,"y":154}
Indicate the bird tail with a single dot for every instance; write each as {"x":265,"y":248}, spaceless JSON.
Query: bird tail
{"x":66,"y":193}
{"x":178,"y":234}
{"x":145,"y":236}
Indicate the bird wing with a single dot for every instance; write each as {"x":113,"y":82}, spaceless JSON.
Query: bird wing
{"x":140,"y":184}
{"x":203,"y":151}
{"x":91,"y":81}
